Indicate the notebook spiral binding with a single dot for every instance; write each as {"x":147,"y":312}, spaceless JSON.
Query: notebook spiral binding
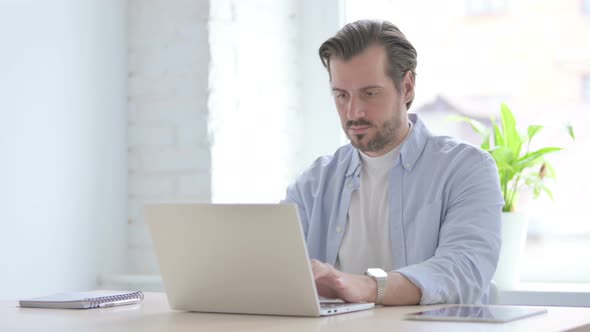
{"x":97,"y":301}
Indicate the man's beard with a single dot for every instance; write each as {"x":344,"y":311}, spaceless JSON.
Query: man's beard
{"x":384,"y":136}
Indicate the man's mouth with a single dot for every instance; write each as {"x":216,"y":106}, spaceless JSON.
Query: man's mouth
{"x":358,"y":129}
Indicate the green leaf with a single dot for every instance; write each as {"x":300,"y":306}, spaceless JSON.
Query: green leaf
{"x":506,"y":173}
{"x":536,"y":192}
{"x":511,"y":135}
{"x":485,"y":144}
{"x":570,"y":131}
{"x":477,"y":126}
{"x":530,"y":158}
{"x":533,"y":130}
{"x":498,"y":137}
{"x":502,"y":154}
{"x":548,"y":192}
{"x":510,"y":206}
{"x":505,"y":167}
{"x":532,"y":179}
{"x":550,"y":171}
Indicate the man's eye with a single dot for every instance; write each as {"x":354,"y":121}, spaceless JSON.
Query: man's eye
{"x":372,"y":93}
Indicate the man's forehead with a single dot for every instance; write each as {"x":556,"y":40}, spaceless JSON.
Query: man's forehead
{"x":359,"y":78}
{"x":358,"y":83}
{"x":367,"y":68}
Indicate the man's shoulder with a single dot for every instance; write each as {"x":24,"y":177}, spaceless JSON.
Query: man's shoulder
{"x":452,"y":147}
{"x":439,"y":149}
{"x":334,"y":164}
{"x":324,"y":173}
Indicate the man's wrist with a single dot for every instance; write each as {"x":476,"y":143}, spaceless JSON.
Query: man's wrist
{"x":371,"y":289}
{"x":380,"y":278}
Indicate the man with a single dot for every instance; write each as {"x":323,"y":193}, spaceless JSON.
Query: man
{"x":425,"y":209}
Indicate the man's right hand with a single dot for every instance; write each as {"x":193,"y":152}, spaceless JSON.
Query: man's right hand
{"x":348,"y":287}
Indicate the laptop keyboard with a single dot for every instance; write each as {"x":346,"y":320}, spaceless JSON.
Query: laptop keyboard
{"x":334,"y":305}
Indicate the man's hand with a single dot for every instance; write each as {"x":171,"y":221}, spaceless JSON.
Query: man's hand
{"x":335,"y":284}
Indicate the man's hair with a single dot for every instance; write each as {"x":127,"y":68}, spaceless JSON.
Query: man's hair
{"x":355,"y":37}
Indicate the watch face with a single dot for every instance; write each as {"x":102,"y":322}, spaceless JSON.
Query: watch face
{"x":377,"y":273}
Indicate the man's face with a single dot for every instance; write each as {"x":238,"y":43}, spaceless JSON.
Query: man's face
{"x":372,"y":111}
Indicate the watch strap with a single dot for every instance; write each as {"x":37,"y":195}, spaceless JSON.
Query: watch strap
{"x":381,"y":283}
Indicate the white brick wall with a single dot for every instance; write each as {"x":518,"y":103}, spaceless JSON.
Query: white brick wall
{"x":168,"y":152}
{"x":215,"y":103}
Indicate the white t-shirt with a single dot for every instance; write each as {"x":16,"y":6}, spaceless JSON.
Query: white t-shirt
{"x":366,"y":242}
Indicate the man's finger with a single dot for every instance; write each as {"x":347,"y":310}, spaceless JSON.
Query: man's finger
{"x":320,"y":270}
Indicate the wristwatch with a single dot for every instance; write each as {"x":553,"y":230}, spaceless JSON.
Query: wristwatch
{"x":380,"y":277}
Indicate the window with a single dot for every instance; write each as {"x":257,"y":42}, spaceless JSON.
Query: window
{"x":485,"y":7}
{"x":586,"y":88}
{"x":585,"y":4}
{"x":470,"y":67}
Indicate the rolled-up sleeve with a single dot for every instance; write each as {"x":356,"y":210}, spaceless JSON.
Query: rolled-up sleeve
{"x":469,"y":239}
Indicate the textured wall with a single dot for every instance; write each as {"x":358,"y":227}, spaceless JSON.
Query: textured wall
{"x":168,"y":151}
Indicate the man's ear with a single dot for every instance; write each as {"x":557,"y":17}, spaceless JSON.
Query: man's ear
{"x":408,"y":84}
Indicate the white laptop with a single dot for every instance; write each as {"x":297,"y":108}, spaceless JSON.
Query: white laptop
{"x":244,"y":258}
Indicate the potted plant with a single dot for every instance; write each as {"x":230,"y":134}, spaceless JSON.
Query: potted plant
{"x":518,"y":168}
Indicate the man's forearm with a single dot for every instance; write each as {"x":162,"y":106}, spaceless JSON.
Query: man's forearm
{"x":400,"y":291}
{"x":349,"y":287}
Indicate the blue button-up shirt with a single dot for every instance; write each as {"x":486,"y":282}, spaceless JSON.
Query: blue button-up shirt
{"x":444,"y":213}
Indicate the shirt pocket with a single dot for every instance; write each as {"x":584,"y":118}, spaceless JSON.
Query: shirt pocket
{"x":422,"y":232}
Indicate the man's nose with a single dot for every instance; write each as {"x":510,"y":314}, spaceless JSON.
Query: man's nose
{"x":356,"y":109}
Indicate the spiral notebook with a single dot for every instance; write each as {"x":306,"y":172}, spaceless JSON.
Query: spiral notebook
{"x":83,"y":300}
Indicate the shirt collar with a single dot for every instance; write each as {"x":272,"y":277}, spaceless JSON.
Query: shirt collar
{"x":410,"y":150}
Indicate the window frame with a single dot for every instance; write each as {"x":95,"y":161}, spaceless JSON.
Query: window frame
{"x":585,"y":87}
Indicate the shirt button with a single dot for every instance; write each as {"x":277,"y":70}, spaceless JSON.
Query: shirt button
{"x":408,"y":165}
{"x":338,"y":229}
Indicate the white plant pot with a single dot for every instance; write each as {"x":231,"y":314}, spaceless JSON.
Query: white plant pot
{"x":514,"y":231}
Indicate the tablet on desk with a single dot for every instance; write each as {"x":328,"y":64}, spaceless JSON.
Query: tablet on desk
{"x":490,"y":314}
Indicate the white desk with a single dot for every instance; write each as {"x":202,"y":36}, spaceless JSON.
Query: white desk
{"x":153,"y":314}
